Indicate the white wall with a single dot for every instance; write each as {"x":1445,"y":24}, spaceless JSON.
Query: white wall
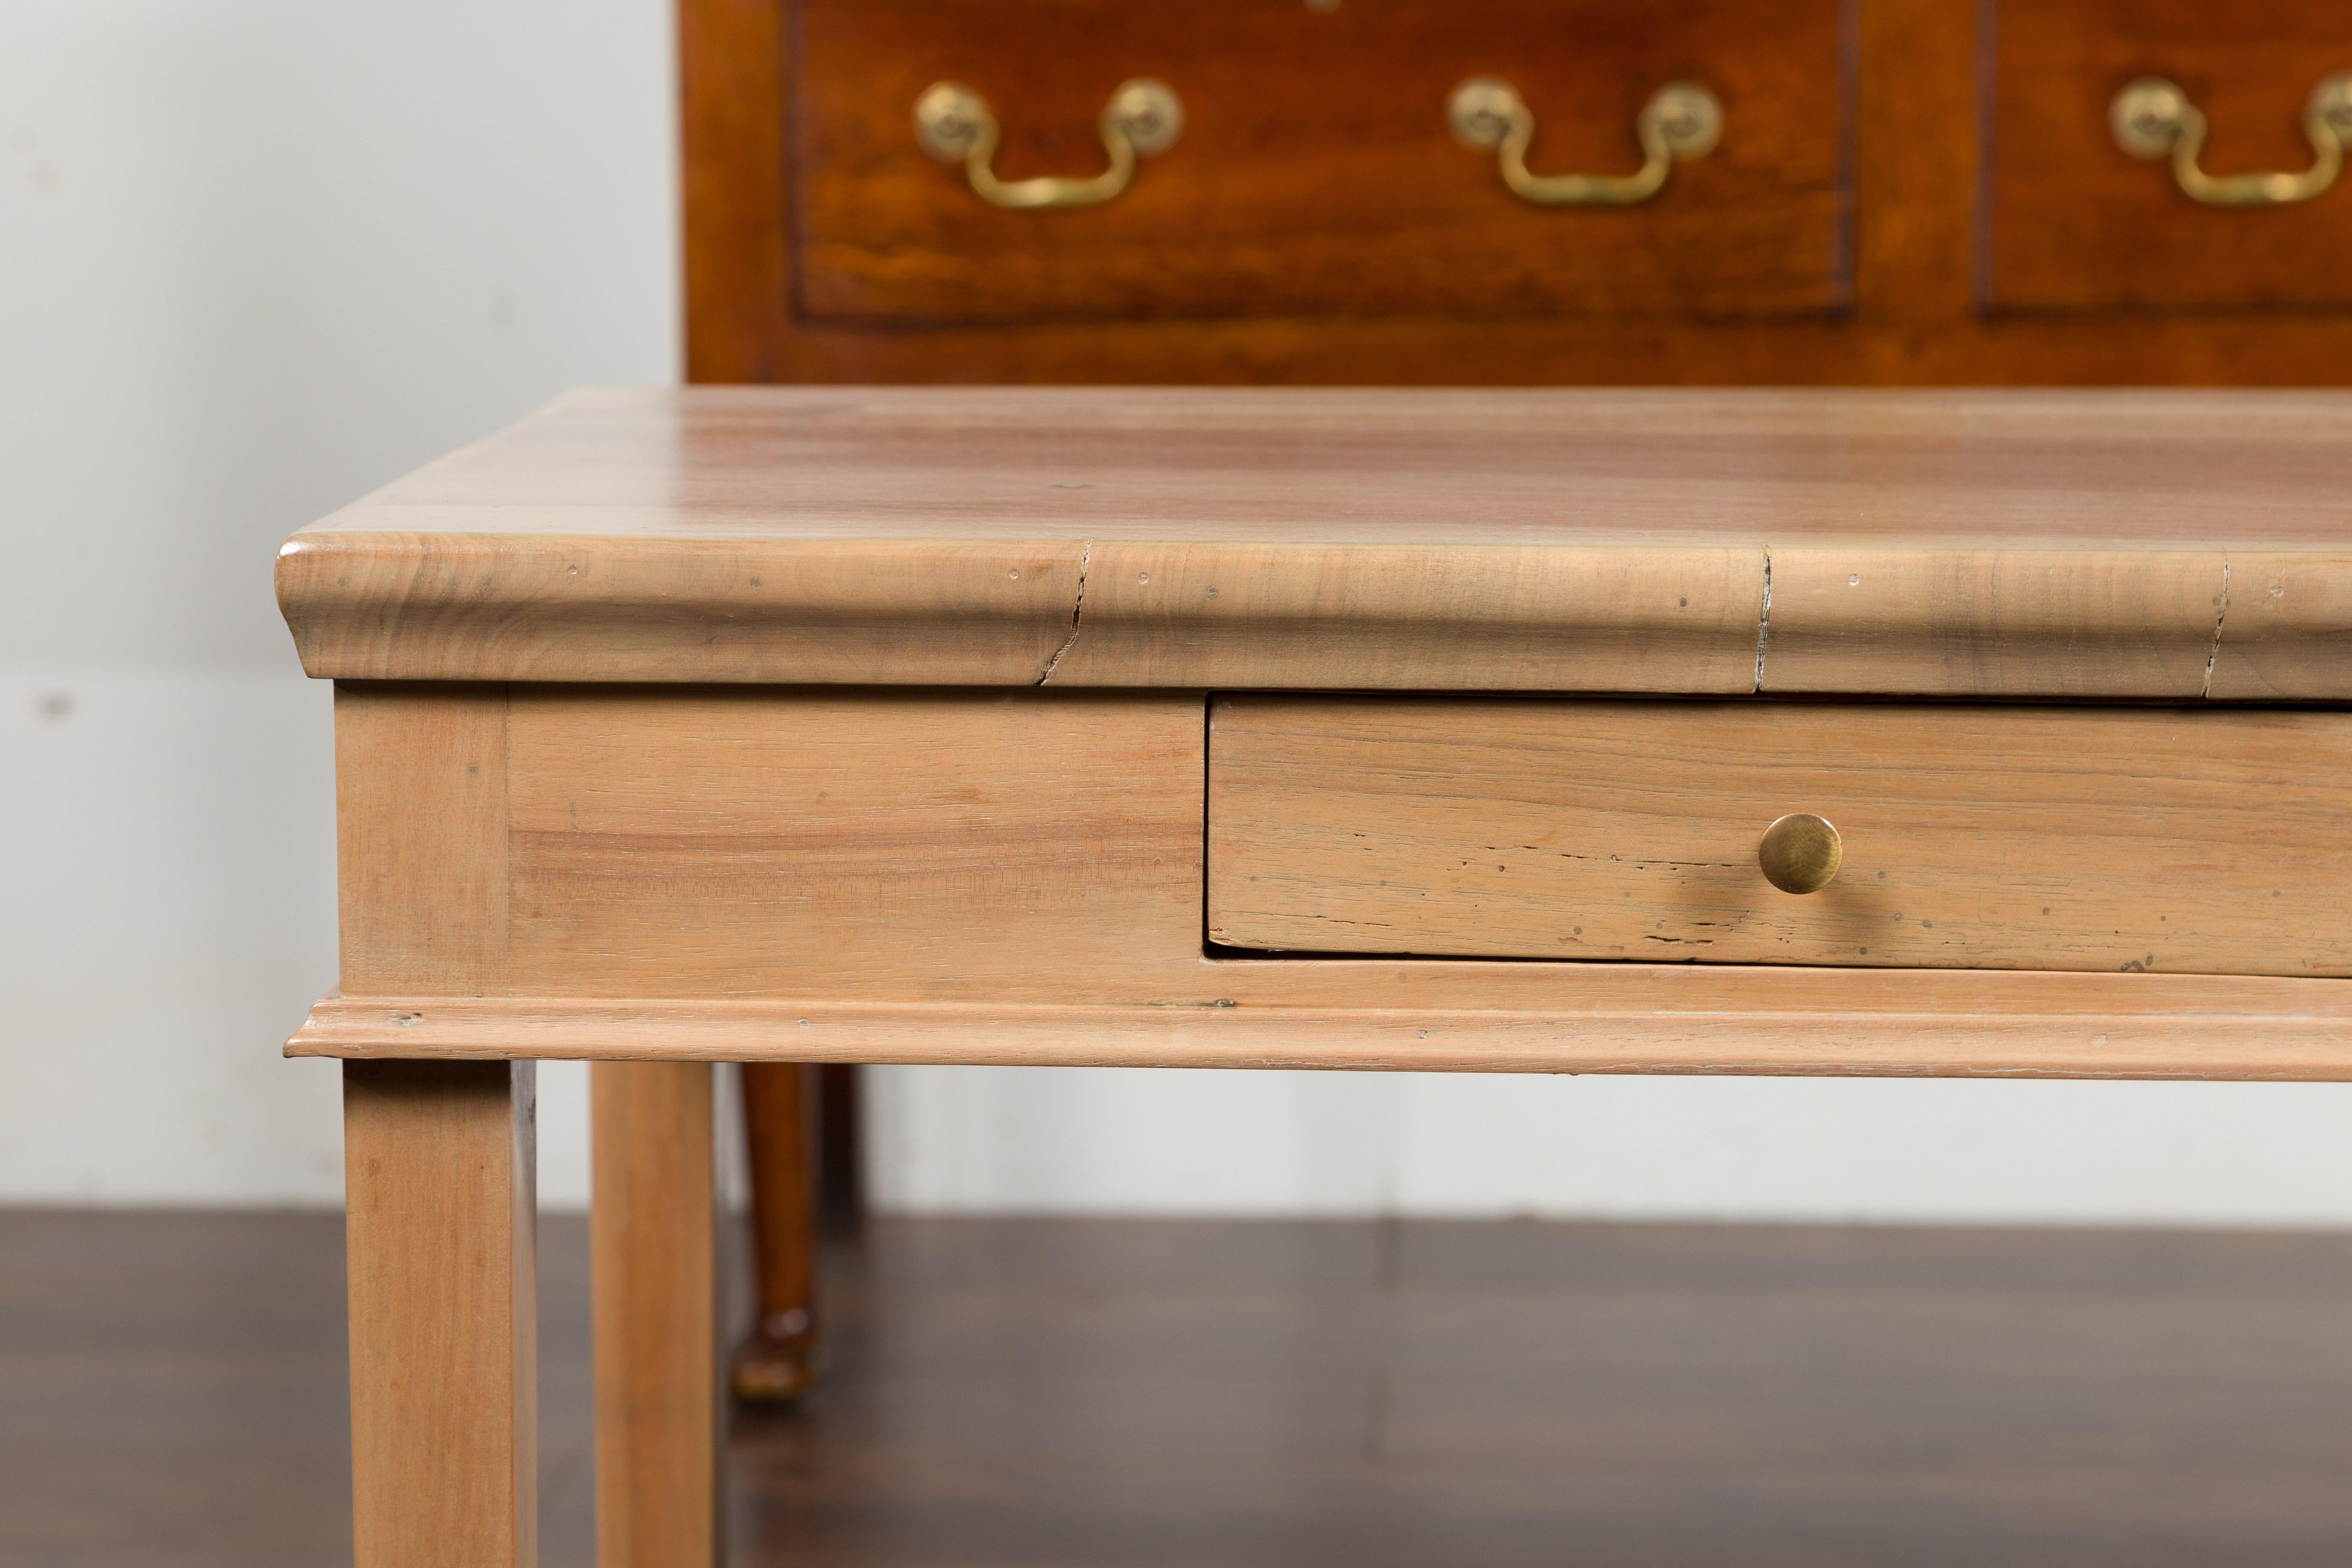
{"x":1094,"y":1141}
{"x":256,"y":257}
{"x":259,"y":255}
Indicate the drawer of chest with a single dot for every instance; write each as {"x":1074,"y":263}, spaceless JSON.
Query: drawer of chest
{"x":2123,"y":136}
{"x":1295,"y":159}
{"x":2215,"y":841}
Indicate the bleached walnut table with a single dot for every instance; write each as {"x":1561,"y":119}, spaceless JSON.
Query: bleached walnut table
{"x":1607,"y":732}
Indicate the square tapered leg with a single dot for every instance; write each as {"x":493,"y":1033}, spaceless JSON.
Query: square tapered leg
{"x":440,"y":1201}
{"x":653,"y":1259}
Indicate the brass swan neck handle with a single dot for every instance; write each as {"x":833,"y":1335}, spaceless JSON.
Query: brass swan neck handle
{"x":1679,"y":121}
{"x":955,"y":125}
{"x":2153,"y":117}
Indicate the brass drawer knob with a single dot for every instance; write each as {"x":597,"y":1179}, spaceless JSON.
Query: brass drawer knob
{"x":2152,"y":117}
{"x":1801,"y":853}
{"x":955,"y":125}
{"x":1679,"y":121}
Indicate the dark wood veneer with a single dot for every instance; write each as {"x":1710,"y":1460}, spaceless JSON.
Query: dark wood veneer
{"x":1316,"y":174}
{"x":1916,"y":311}
{"x":2078,"y":223}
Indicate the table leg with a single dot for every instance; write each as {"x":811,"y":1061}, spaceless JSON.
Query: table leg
{"x":653,"y":1262}
{"x":441,"y":1223}
{"x":777,"y":1358}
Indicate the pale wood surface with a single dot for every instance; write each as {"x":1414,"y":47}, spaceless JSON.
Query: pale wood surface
{"x":1435,"y":1017}
{"x":1997,"y":623}
{"x":452,"y":607}
{"x":2288,"y":634}
{"x":2024,"y":837}
{"x":1514,"y":617}
{"x":940,"y":535}
{"x":421,"y":837}
{"x":440,"y":1216}
{"x":2124,"y":471}
{"x":975,"y":877}
{"x":653,"y":1267}
{"x":916,"y":844}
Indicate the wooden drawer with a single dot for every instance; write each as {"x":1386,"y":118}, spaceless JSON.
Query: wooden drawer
{"x":2213,"y":842}
{"x":1315,"y":172}
{"x":2078,"y":223}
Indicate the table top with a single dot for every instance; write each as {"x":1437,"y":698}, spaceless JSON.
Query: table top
{"x":2046,"y":544}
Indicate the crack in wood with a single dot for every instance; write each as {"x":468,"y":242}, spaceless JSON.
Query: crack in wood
{"x":2220,"y":614}
{"x":1077,"y":608}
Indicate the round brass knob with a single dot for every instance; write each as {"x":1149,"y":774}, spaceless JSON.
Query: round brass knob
{"x":1801,"y":853}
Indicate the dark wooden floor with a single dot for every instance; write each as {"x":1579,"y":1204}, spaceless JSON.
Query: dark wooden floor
{"x":1165,"y":1394}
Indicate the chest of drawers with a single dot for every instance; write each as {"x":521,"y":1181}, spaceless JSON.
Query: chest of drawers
{"x":1836,"y":190}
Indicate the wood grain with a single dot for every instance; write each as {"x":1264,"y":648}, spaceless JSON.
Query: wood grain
{"x":731,"y":172}
{"x":1465,"y":1017}
{"x":2004,"y":545}
{"x":1391,"y":1394}
{"x":1897,"y":346}
{"x":421,"y":837}
{"x":2287,"y":631}
{"x":1914,"y":318}
{"x":1315,"y":173}
{"x":1263,"y":1394}
{"x":1992,"y":623}
{"x":450,"y":606}
{"x":777,"y":1359}
{"x":928,"y":876}
{"x":1427,"y":617}
{"x":653,"y":1228}
{"x":440,"y":1209}
{"x":2078,"y":223}
{"x":913,"y":843}
{"x":2125,"y":470}
{"x":1985,"y":837}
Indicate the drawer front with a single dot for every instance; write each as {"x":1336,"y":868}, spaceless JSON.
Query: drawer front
{"x":2078,"y":222}
{"x":2211,"y":842}
{"x":1315,"y":171}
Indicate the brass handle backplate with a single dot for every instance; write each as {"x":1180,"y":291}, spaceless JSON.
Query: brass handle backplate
{"x":1801,"y":853}
{"x":2152,"y":117}
{"x":1679,"y":121}
{"x":955,"y":126}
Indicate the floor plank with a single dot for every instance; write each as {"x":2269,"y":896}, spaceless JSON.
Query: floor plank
{"x":1168,"y":1393}
{"x":1066,"y":1392}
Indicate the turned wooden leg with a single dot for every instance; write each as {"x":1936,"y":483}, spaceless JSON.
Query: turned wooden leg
{"x":777,"y":1359}
{"x":439,"y":1164}
{"x":652,"y":1258}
